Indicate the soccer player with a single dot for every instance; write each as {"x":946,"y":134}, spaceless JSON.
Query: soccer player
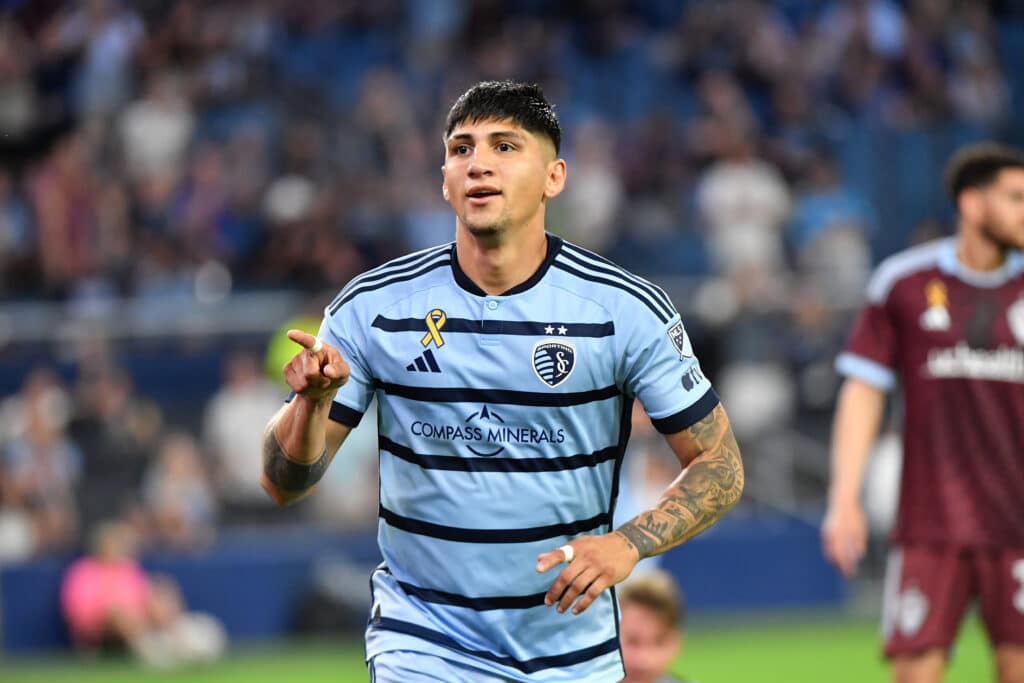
{"x":505,"y":365}
{"x":652,"y":626}
{"x":947,"y":319}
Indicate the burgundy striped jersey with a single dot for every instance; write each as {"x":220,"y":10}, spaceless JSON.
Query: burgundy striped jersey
{"x":955,"y":339}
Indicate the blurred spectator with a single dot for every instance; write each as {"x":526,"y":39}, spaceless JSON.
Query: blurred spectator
{"x":107,"y":34}
{"x":39,"y":468}
{"x":830,"y":232}
{"x":743,"y":202}
{"x":18,"y":98}
{"x":181,"y":507}
{"x":110,"y":603}
{"x":16,"y":235}
{"x":587,"y":213}
{"x":117,"y":431}
{"x":652,"y":627}
{"x":64,"y":192}
{"x":156,"y":130}
{"x":244,"y":399}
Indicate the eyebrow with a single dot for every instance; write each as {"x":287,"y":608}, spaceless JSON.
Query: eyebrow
{"x":511,"y":134}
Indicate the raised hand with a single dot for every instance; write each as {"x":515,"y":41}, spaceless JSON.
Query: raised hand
{"x":317,"y":370}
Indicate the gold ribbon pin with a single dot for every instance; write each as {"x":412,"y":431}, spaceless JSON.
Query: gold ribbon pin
{"x":435,"y":321}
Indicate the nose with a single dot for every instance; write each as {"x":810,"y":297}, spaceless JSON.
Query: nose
{"x":479,"y":165}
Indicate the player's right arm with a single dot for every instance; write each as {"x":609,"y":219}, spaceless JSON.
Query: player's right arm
{"x":300,"y":439}
{"x":857,"y":419}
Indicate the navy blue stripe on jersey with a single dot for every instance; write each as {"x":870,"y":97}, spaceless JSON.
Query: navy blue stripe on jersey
{"x":503,"y":396}
{"x":463,"y":535}
{"x":625,"y":428}
{"x":596,"y":263}
{"x":401,"y":275}
{"x":506,"y":465}
{"x":527,"y":666}
{"x":687,"y":417}
{"x":510,"y":327}
{"x":389,"y":268}
{"x":616,"y":282}
{"x":345,"y":415}
{"x":478,"y":604}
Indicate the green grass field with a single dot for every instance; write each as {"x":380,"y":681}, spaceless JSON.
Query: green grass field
{"x":758,"y":650}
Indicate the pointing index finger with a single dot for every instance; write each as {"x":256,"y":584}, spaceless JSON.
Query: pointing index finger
{"x":305,"y":340}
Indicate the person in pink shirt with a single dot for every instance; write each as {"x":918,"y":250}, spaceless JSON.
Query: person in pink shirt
{"x":109,"y":601}
{"x":106,"y":597}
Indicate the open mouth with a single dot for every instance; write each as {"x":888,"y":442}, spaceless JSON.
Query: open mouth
{"x":483,"y":193}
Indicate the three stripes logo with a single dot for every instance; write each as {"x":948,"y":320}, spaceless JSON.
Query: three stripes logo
{"x":424,"y":363}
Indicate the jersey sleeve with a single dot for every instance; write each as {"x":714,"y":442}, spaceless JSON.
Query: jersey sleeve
{"x":660,"y":369}
{"x":870,"y":354}
{"x":344,"y":331}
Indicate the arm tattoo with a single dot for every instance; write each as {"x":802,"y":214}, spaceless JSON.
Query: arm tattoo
{"x":707,"y":488}
{"x":286,"y":474}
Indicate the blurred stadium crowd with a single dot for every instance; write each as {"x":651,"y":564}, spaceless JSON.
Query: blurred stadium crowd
{"x":756,"y":158}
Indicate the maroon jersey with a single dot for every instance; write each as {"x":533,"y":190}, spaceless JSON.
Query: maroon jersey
{"x":955,"y":339}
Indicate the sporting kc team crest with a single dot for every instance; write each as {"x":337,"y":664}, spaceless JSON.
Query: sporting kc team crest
{"x":553,"y":361}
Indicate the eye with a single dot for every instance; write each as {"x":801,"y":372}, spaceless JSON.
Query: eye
{"x":460,"y":150}
{"x":505,"y":147}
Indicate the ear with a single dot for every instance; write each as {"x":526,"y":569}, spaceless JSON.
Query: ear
{"x":444,"y":187}
{"x":555,"y":181}
{"x":971,"y":205}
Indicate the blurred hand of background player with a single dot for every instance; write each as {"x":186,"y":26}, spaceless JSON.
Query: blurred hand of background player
{"x":315,"y":375}
{"x":844,"y":536}
{"x":598,"y":562}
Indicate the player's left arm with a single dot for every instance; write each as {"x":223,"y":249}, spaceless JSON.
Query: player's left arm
{"x":710,"y":484}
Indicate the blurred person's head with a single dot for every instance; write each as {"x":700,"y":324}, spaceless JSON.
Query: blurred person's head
{"x":179,"y":457}
{"x":986,"y":184}
{"x":113,"y":541}
{"x":242,"y":369}
{"x":652,"y":625}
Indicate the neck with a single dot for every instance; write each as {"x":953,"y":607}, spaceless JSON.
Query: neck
{"x":976,"y":251}
{"x":497,"y":266}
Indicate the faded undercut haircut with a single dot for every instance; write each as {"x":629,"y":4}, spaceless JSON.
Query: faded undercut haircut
{"x":657,"y":591}
{"x":523,"y":103}
{"x":978,"y":165}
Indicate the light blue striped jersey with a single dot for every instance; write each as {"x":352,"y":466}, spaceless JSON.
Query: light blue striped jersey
{"x":502,"y":423}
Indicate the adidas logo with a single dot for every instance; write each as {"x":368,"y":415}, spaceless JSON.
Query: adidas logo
{"x":424,"y":363}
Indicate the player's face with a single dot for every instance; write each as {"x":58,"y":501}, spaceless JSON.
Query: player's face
{"x":497,"y":176}
{"x":1004,"y":209}
{"x":648,"y":644}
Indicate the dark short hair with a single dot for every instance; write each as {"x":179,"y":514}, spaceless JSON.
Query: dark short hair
{"x":978,"y":165}
{"x":524,"y":103}
{"x":658,"y":591}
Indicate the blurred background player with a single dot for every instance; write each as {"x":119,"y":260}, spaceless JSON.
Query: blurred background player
{"x":946,"y":319}
{"x":652,"y":627}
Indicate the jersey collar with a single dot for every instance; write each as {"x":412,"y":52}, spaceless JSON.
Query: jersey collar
{"x":554,"y":246}
{"x":949,"y":264}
